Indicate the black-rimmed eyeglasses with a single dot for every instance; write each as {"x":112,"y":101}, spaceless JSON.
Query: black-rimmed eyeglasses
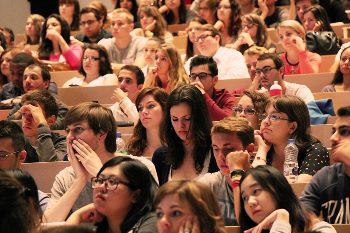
{"x":4,"y":154}
{"x":110,"y":183}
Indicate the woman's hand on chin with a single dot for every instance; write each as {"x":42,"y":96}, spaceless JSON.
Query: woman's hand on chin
{"x":87,"y":214}
{"x":280,"y":214}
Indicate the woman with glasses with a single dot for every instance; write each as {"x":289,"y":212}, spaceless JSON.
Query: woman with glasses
{"x":253,"y":32}
{"x":69,"y":10}
{"x":297,"y":59}
{"x":251,"y":106}
{"x":95,"y":68}
{"x":288,"y":117}
{"x":197,"y":210}
{"x":229,"y":20}
{"x":341,"y":79}
{"x":169,"y":72}
{"x":186,"y":131}
{"x":146,"y":138}
{"x":123,"y":194}
{"x":55,"y":43}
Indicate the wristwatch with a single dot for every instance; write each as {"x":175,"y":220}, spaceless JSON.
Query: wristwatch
{"x":237,"y":172}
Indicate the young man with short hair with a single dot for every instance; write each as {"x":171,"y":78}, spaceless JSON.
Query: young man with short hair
{"x":39,"y":112}
{"x":37,"y":77}
{"x":131,"y":79}
{"x":328,"y":193}
{"x":12,"y":152}
{"x":124,"y":48}
{"x":91,"y":25}
{"x":270,"y":68}
{"x":91,"y":142}
{"x":231,"y":137}
{"x":230,"y":62}
{"x":204,"y":75}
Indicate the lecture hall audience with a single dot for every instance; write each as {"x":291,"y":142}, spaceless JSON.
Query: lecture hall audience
{"x":174,"y":138}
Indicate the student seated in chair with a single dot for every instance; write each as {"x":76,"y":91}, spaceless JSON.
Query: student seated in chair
{"x":39,"y":112}
{"x":234,"y":137}
{"x":329,"y":190}
{"x":37,"y":77}
{"x":91,"y":143}
{"x":13,"y":154}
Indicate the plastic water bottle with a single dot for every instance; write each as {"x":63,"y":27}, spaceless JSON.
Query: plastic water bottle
{"x":275,"y":89}
{"x":120,"y":142}
{"x":290,"y":168}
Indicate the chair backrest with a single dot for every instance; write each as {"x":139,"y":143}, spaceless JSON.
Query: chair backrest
{"x":326,"y":63}
{"x":322,"y":132}
{"x":75,"y":95}
{"x":180,"y":43}
{"x":177,"y":27}
{"x":232,"y":229}
{"x":60,"y":77}
{"x":231,"y":84}
{"x":340,"y":99}
{"x":313,"y":81}
{"x":338,"y":28}
{"x":298,"y":188}
{"x":342,"y":228}
{"x":44,"y":173}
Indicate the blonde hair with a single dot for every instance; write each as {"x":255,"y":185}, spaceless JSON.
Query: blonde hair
{"x":294,"y":25}
{"x":126,"y":14}
{"x":176,"y":72}
{"x":255,"y":50}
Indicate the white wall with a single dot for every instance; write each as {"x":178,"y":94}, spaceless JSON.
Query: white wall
{"x":14,"y":13}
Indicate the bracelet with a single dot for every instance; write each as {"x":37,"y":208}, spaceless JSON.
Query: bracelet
{"x":235,"y":183}
{"x":237,"y":172}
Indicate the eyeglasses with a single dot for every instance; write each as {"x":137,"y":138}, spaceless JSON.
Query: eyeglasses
{"x":248,"y":111}
{"x":110,"y":183}
{"x":343,"y":131}
{"x":201,"y":76}
{"x":85,"y":58}
{"x":272,"y":117}
{"x":248,"y":26}
{"x":88,"y":22}
{"x":265,"y":70}
{"x":4,"y":155}
{"x":203,"y":37}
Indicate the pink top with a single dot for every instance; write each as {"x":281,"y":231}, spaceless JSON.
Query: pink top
{"x":308,"y":63}
{"x":71,"y":56}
